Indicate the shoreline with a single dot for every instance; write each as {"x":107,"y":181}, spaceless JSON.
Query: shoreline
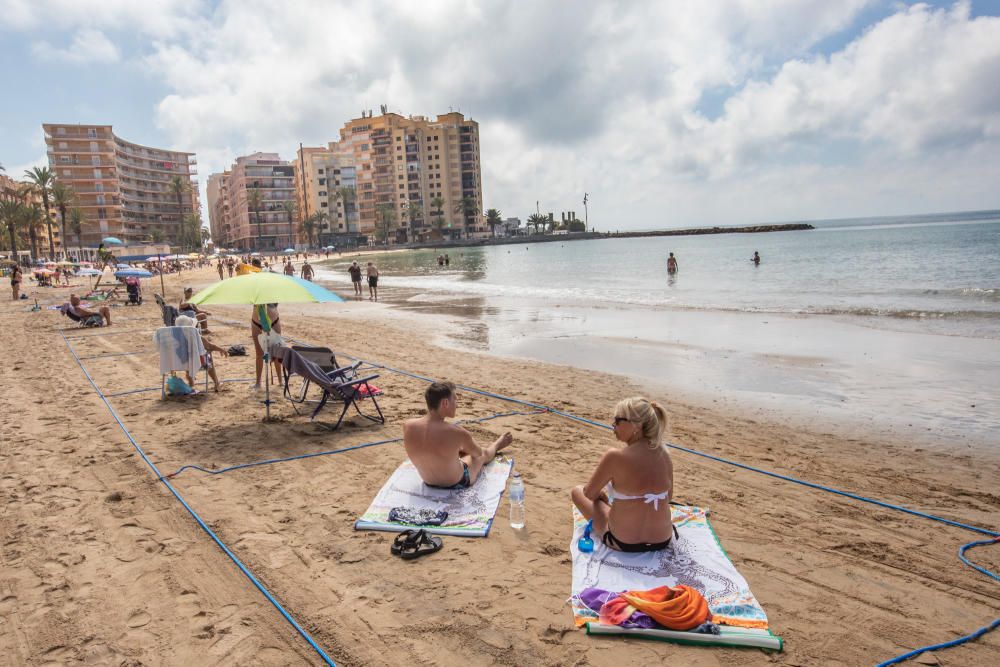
{"x":101,"y":563}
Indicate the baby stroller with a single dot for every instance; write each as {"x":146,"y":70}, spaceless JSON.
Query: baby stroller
{"x":134,"y":289}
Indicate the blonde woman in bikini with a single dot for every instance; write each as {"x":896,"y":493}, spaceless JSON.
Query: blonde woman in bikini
{"x":634,"y":513}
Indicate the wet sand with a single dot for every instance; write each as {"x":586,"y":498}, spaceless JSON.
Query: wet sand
{"x":101,"y":565}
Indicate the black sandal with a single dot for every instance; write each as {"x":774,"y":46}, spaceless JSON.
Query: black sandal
{"x":405,"y":538}
{"x":420,"y":544}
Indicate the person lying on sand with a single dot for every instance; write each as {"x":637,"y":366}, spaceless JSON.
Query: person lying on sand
{"x":640,"y":480}
{"x":445,"y":454}
{"x":84,"y":313}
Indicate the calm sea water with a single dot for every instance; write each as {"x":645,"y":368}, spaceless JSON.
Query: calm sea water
{"x":941,"y":276}
{"x":888,"y":324}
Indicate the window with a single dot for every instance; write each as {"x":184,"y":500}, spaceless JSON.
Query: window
{"x":399,"y":157}
{"x":67,"y":172}
{"x":93,"y":146}
{"x":97,"y":173}
{"x":364,"y":147}
{"x":102,"y":214}
{"x":320,"y":171}
{"x":398,"y":148}
{"x":99,"y":187}
{"x":324,"y":204}
{"x":92,"y":132}
{"x":322,"y":193}
{"x":100,"y":199}
{"x":322,"y":181}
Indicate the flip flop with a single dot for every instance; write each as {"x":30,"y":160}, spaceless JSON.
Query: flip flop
{"x":405,"y":538}
{"x":421,"y":545}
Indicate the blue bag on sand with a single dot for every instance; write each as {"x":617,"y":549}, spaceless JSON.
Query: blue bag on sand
{"x":178,"y":387}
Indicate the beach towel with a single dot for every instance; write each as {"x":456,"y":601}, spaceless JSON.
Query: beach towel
{"x":694,"y":559}
{"x":470,"y":511}
{"x":180,"y":349}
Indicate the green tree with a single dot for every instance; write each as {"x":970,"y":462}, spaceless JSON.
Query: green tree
{"x":63,"y":197}
{"x":493,"y":219}
{"x":11,"y":216}
{"x":537,"y":220}
{"x":31,"y":219}
{"x":40,"y":179}
{"x":467,"y":208}
{"x":347,"y":196}
{"x":438,"y":205}
{"x":308,"y":226}
{"x":191,"y":231}
{"x":414,"y":213}
{"x":254,"y":200}
{"x":386,"y":215}
{"x":156,"y":235}
{"x":76,"y":219}
{"x":290,"y":207}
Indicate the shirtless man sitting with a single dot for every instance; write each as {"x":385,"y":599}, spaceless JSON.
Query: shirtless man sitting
{"x":445,"y":454}
{"x":84,"y":313}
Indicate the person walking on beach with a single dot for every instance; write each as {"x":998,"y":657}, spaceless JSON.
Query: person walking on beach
{"x":355,"y":272}
{"x":230,"y":266}
{"x":307,"y":271}
{"x":756,"y":258}
{"x":640,"y":481}
{"x":446,"y":455}
{"x":672,"y":264}
{"x":372,"y":282}
{"x":221,"y":269}
{"x":447,"y":260}
{"x":15,"y":282}
{"x":289,"y":268}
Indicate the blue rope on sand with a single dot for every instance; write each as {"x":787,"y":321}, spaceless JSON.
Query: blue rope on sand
{"x":114,"y":354}
{"x":333,"y":451}
{"x":270,"y":598}
{"x":145,"y":389}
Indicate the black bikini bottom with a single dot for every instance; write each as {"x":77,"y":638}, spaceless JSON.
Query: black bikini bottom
{"x":613,"y":542}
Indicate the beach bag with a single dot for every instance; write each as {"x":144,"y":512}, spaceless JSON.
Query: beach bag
{"x":178,"y":387}
{"x":237,"y":351}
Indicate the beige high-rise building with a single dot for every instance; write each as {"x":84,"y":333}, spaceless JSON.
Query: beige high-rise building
{"x":410,"y":176}
{"x":236,"y":222}
{"x":125,"y":189}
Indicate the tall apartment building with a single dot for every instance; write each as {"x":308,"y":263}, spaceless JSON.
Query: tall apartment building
{"x":326,"y":183}
{"x":236,"y":221}
{"x":124,"y":189}
{"x":402,"y":167}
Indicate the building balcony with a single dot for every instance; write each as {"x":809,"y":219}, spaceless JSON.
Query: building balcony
{"x":78,"y":133}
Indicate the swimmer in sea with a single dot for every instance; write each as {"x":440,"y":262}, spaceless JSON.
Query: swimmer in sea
{"x":672,"y":264}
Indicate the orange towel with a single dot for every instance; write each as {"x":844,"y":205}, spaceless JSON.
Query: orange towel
{"x":677,"y":608}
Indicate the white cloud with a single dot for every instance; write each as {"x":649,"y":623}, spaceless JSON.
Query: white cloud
{"x":600,"y":96}
{"x":88,"y":46}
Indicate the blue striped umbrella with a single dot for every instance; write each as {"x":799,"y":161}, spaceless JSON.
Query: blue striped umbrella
{"x":133,"y":273}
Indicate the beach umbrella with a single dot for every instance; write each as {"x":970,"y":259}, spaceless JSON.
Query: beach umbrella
{"x":65,"y":263}
{"x":133,"y":273}
{"x":260,"y":289}
{"x":122,"y":266}
{"x":288,"y":250}
{"x":111,"y":240}
{"x":155,"y":258}
{"x":88,"y":272}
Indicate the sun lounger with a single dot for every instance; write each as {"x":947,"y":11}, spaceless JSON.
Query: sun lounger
{"x":470,"y":510}
{"x":90,"y":321}
{"x":101,"y":295}
{"x":336,"y":386}
{"x":696,"y":559}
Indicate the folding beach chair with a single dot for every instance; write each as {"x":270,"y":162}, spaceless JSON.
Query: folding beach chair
{"x":181,"y":349}
{"x":336,"y":387}
{"x":90,"y":321}
{"x":327,"y":361}
{"x":168,"y":312}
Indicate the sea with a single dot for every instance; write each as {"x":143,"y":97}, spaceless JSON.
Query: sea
{"x":887,"y":325}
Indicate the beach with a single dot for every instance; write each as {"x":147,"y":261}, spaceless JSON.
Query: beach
{"x":102,"y":565}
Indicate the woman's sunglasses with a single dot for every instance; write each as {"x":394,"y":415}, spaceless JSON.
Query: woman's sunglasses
{"x":619,"y":420}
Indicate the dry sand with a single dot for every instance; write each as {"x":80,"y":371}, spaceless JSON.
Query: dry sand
{"x":100,"y":564}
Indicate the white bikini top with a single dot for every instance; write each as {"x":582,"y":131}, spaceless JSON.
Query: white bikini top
{"x":648,"y":498}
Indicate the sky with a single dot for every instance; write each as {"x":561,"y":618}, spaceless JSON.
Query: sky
{"x":668,"y":114}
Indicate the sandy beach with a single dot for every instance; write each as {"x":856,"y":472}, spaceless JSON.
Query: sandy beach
{"x":100,"y":564}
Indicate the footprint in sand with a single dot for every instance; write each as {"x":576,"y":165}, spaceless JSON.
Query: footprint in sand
{"x":138,"y":619}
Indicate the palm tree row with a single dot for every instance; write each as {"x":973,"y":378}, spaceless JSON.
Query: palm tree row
{"x":16,"y":218}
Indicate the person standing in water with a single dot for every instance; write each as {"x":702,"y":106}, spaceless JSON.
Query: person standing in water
{"x":756,"y":258}
{"x":672,"y":264}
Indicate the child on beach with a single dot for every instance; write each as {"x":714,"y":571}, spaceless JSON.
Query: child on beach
{"x":640,"y":481}
{"x":444,"y":454}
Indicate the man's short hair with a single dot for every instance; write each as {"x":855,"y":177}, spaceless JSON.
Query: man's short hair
{"x":255,"y":262}
{"x":437,"y":392}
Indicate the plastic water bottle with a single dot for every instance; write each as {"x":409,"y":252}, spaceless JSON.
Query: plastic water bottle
{"x":516,"y":502}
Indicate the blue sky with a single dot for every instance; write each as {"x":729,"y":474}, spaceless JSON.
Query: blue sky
{"x":716,"y":113}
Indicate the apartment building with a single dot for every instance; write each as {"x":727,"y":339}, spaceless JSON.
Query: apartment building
{"x":252,"y":205}
{"x":410,"y":176}
{"x":134,"y":192}
{"x":325,"y":183}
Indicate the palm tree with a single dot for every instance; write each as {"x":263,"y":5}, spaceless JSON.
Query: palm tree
{"x":63,"y":197}
{"x":308,"y":226}
{"x":438,"y":204}
{"x":493,"y":219}
{"x":31,"y":217}
{"x":206,"y":236}
{"x":254,"y":199}
{"x":156,"y":235}
{"x":41,"y":180}
{"x":467,"y":207}
{"x":387,"y":213}
{"x":179,"y":186}
{"x":537,"y":220}
{"x":76,"y":218}
{"x":413,"y":212}
{"x":346,"y":195}
{"x":10,"y":216}
{"x":289,"y":207}
{"x":191,"y":231}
